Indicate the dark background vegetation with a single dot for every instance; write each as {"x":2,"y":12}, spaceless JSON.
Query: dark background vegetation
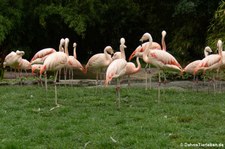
{"x":33,"y":25}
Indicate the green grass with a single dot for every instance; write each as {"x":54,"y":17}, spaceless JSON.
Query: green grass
{"x":91,"y":118}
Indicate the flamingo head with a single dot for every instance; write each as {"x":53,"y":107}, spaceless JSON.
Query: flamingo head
{"x":145,"y":36}
{"x":74,"y":44}
{"x":138,"y":49}
{"x":219,"y":43}
{"x":109,"y":49}
{"x":67,"y":40}
{"x":163,"y":33}
{"x":207,"y":51}
{"x":122,"y":42}
{"x":21,"y":53}
{"x":62,"y":42}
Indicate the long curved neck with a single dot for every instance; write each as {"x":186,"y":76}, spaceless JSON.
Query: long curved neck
{"x":147,"y":50}
{"x":106,"y":54}
{"x":60,"y":47}
{"x":138,"y":65}
{"x":163,"y":42}
{"x":122,"y":52}
{"x":206,"y":53}
{"x":66,"y":48}
{"x":74,"y":52}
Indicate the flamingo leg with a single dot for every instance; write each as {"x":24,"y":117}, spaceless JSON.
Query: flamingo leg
{"x":56,"y":93}
{"x":128,"y":80}
{"x":214,"y":84}
{"x":46,"y":85}
{"x":159,"y":86}
{"x":118,"y":92}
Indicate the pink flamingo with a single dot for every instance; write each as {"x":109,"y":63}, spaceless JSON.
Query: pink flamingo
{"x":24,"y":65}
{"x":142,"y":48}
{"x":54,"y":62}
{"x":212,"y":62}
{"x":99,"y":61}
{"x":154,"y":45}
{"x":159,"y":58}
{"x":13,"y":59}
{"x":121,"y":67}
{"x":191,"y":66}
{"x":116,"y":69}
{"x":73,"y":63}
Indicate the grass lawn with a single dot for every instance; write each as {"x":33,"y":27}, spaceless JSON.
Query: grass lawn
{"x":90,"y":119}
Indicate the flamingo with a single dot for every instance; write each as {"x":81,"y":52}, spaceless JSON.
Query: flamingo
{"x":13,"y":59}
{"x":73,"y":63}
{"x":116,"y":69}
{"x":154,"y":45}
{"x":159,"y":58}
{"x":99,"y":61}
{"x":54,"y":62}
{"x":142,"y":48}
{"x":191,"y":66}
{"x":24,"y":65}
{"x":121,"y":67}
{"x":212,"y":62}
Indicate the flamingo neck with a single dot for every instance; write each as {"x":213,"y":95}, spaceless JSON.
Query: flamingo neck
{"x":66,"y":48}
{"x":74,"y":53}
{"x":147,"y":50}
{"x":122,"y":52}
{"x":138,"y":65}
{"x":106,"y":54}
{"x":163,"y":42}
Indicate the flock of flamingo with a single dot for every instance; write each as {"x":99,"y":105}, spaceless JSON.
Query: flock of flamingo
{"x":113,"y":64}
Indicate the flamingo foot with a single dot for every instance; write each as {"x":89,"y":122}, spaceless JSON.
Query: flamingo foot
{"x":57,"y":106}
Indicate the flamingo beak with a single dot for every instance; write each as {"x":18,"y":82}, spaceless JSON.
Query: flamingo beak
{"x":132,"y":56}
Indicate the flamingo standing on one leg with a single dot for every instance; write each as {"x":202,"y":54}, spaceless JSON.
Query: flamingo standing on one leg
{"x":116,"y":69}
{"x":159,"y":58}
{"x":99,"y":61}
{"x":55,"y":62}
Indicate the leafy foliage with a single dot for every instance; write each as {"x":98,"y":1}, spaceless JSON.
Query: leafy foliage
{"x":216,"y":29}
{"x":93,"y":24}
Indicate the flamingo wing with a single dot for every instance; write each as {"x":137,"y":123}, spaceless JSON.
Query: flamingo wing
{"x":164,"y":57}
{"x":42,"y":53}
{"x":116,"y":69}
